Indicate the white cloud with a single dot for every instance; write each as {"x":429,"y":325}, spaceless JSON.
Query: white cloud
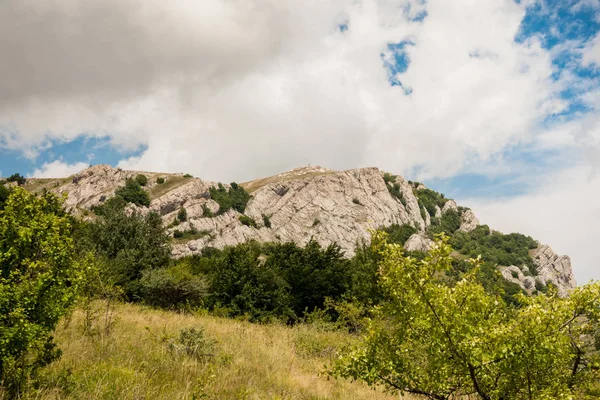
{"x":591,"y":52}
{"x":58,"y":169}
{"x":234,"y":90}
{"x":563,"y":212}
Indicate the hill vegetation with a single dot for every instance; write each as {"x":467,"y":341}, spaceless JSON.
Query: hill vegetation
{"x":311,"y":300}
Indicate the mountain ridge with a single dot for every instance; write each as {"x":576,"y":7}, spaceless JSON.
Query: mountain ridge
{"x":303,"y":204}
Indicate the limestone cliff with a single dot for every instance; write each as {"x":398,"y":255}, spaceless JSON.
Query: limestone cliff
{"x":311,"y":202}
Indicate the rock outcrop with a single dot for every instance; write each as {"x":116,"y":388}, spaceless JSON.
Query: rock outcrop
{"x":418,"y":243}
{"x":302,"y":204}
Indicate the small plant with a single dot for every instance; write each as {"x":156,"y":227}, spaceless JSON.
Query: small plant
{"x":187,"y":176}
{"x":356,"y":201}
{"x":17,"y":178}
{"x":266,"y":221}
{"x":177,"y":234}
{"x":514,"y":274}
{"x":193,"y":343}
{"x":141,"y":179}
{"x":160,"y":180}
{"x":182,"y":214}
{"x":206,"y":212}
{"x":246,"y":220}
{"x":316,"y":222}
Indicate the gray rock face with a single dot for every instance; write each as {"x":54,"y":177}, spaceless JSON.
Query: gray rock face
{"x":550,"y":267}
{"x":468,"y":221}
{"x":312,"y":202}
{"x":555,"y":269}
{"x":418,"y":243}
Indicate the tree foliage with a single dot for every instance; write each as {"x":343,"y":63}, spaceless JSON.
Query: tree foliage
{"x":39,"y":279}
{"x":495,"y":247}
{"x":133,"y":193}
{"x":21,"y":180}
{"x":437,"y":341}
{"x":236,"y":197}
{"x":130,"y":242}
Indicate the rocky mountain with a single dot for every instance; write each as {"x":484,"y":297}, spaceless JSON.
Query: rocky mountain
{"x":310,"y":202}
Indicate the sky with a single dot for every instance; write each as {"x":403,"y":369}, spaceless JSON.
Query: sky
{"x":495,"y":103}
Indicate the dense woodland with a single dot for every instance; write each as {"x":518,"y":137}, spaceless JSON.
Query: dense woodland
{"x":51,"y":262}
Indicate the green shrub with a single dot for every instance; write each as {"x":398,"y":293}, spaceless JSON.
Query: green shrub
{"x":160,"y":180}
{"x":266,"y":221}
{"x":448,"y":223}
{"x":141,"y":179}
{"x":173,"y":287}
{"x":495,"y":247}
{"x":17,"y":178}
{"x":182,"y":214}
{"x":4,"y":193}
{"x":236,"y":197}
{"x":399,"y":233}
{"x":193,"y":343}
{"x":316,"y":222}
{"x":246,"y":220}
{"x":177,"y":234}
{"x":130,"y":243}
{"x":429,"y":199}
{"x":132,"y":192}
{"x":514,"y":274}
{"x":240,"y":282}
{"x":206,"y":211}
{"x":394,"y":188}
{"x":40,"y":276}
{"x":356,"y":201}
{"x":187,"y":176}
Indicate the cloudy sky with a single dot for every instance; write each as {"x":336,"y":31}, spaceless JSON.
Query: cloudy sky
{"x":493,"y":102}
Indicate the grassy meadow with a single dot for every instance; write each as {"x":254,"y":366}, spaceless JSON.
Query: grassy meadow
{"x":140,"y":359}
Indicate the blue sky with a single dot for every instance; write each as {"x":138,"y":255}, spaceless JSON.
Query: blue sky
{"x":493,"y":102}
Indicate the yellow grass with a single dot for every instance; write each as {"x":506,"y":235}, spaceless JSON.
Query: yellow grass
{"x":250,"y":361}
{"x":171,"y":182}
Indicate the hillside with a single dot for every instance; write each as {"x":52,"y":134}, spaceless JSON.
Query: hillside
{"x":141,"y":358}
{"x":313,"y":202}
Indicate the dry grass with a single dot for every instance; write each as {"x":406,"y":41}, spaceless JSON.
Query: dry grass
{"x":171,"y":182}
{"x":254,"y":185}
{"x":250,"y":361}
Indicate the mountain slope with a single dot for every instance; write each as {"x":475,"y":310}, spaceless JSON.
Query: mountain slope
{"x":311,"y":202}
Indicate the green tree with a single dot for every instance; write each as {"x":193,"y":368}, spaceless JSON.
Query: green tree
{"x":39,"y":280}
{"x":441,"y":342}
{"x":132,"y":192}
{"x":182,"y":214}
{"x":141,"y":179}
{"x":21,"y":180}
{"x":4,"y":192}
{"x":131,"y":243}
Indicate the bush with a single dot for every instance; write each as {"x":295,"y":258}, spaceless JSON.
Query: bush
{"x":39,"y":280}
{"x":236,"y":197}
{"x":356,"y":201}
{"x":448,"y":223}
{"x":495,"y":247}
{"x":247,"y":221}
{"x":132,"y":192}
{"x":193,"y":343}
{"x":399,"y":233}
{"x":141,"y":179}
{"x":17,"y":178}
{"x":182,"y":214}
{"x":240,"y":282}
{"x":4,"y":193}
{"x":316,"y":222}
{"x":173,"y":287}
{"x":187,"y":176}
{"x":266,"y":221}
{"x":394,"y":188}
{"x":206,"y":211}
{"x":131,"y":243}
{"x":430,"y":199}
{"x":312,"y":273}
{"x":160,"y":180}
